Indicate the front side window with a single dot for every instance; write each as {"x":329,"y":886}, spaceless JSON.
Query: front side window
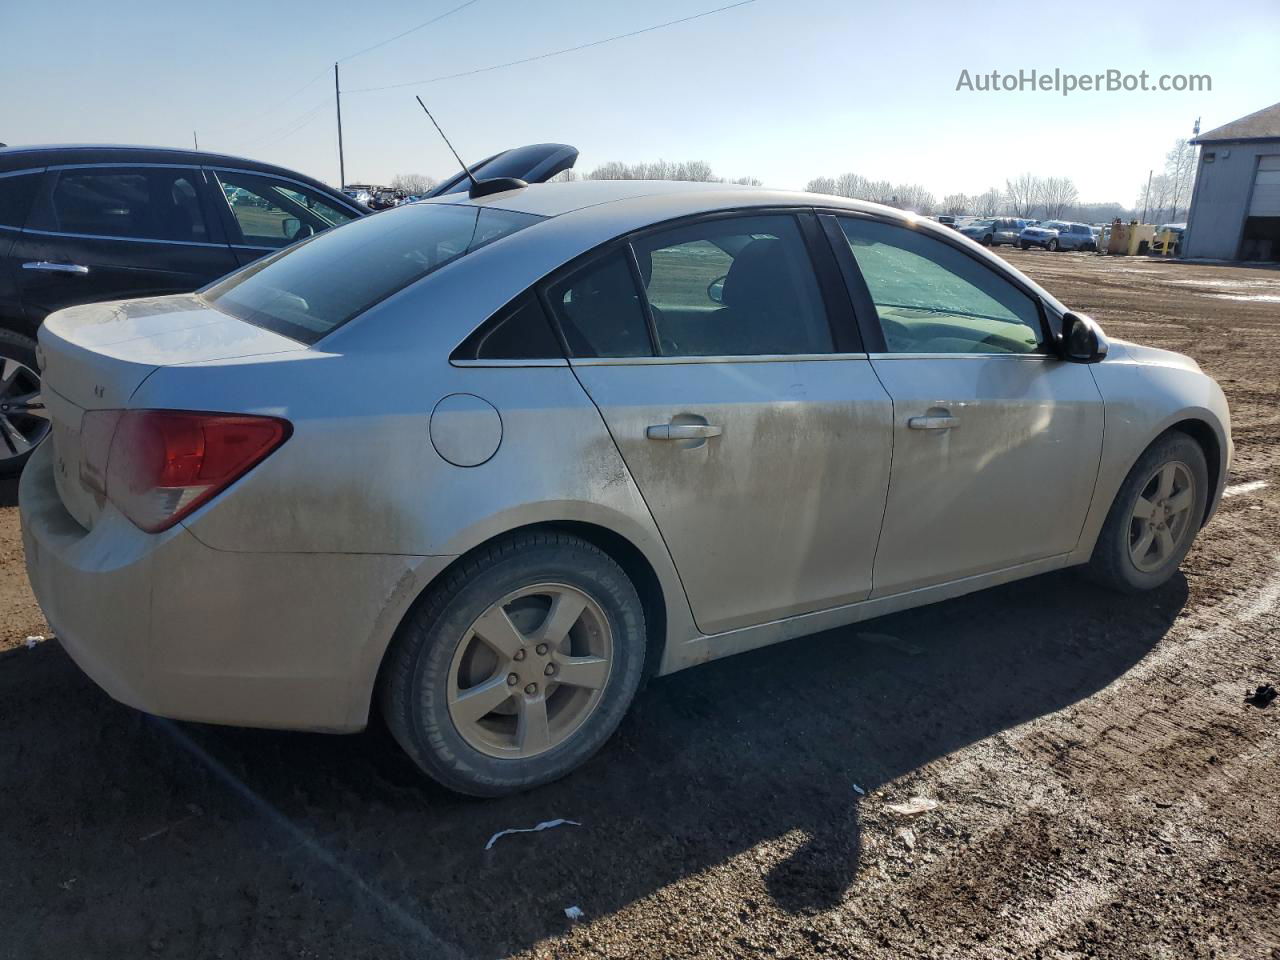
{"x":275,"y":213}
{"x":307,"y":291}
{"x":738,"y":286}
{"x":140,"y":203}
{"x":933,"y":298}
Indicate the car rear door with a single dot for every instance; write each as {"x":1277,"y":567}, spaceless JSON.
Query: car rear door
{"x":996,"y":441}
{"x":734,"y":385}
{"x":108,"y":231}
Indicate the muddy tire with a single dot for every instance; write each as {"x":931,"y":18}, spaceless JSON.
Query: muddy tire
{"x":517,"y":667}
{"x":1052,"y":246}
{"x":21,"y":429}
{"x":1155,"y":517}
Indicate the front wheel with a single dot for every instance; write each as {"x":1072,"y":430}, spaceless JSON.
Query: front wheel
{"x":23,"y":420}
{"x":1025,"y":245}
{"x":1154,"y":518}
{"x":518,"y":666}
{"x":986,"y":240}
{"x":1052,"y":246}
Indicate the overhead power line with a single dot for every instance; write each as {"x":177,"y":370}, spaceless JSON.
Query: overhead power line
{"x":425,"y":23}
{"x":552,"y":53}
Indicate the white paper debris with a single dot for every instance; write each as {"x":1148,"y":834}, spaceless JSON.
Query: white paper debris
{"x":574,"y":913}
{"x":859,"y":791}
{"x":32,"y":641}
{"x":544,"y":825}
{"x":913,"y":807}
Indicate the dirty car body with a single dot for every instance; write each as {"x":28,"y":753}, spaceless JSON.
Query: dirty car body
{"x":756,"y":414}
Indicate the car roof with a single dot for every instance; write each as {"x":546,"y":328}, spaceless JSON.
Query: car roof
{"x":41,"y":155}
{"x":556,"y":199}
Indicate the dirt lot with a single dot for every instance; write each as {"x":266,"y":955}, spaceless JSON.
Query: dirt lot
{"x":1102,"y":788}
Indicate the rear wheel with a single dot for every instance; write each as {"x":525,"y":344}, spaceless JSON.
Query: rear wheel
{"x":986,"y":240}
{"x":518,"y":667}
{"x":1024,"y":245}
{"x":23,"y":420}
{"x":1155,"y":516}
{"x":1052,"y":246}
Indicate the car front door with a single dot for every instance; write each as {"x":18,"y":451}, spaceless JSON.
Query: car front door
{"x":101,"y":232}
{"x":996,"y":440}
{"x":732,"y":381}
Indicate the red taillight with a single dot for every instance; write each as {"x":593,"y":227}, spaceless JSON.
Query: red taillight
{"x":163,"y":464}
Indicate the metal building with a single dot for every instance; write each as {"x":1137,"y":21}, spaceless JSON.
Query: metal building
{"x":1235,"y":205}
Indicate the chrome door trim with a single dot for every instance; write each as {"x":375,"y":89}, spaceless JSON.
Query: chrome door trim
{"x":96,"y":236}
{"x":24,"y":172}
{"x":757,"y":358}
{"x":963,"y":356}
{"x":547,"y":362}
{"x":122,"y":163}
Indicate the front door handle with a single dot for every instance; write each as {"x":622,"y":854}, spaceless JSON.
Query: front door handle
{"x":933,"y":423}
{"x":74,"y":268}
{"x":682,"y":431}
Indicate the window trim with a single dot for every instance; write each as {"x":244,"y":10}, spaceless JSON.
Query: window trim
{"x":873,"y":332}
{"x":837,"y":313}
{"x":502,"y":313}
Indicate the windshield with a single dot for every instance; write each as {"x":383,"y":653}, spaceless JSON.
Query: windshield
{"x":310,"y":289}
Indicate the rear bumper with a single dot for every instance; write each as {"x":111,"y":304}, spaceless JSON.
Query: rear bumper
{"x":169,"y":626}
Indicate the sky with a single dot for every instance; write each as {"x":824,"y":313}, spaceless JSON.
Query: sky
{"x":781,"y":90}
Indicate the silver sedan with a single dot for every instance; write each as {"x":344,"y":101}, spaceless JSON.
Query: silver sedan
{"x":486,"y":462}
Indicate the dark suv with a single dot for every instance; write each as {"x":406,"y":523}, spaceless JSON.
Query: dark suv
{"x":86,"y":223}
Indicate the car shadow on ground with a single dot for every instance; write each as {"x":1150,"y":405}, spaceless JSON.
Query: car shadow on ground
{"x":128,"y":829}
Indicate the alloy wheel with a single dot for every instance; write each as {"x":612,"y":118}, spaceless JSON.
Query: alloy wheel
{"x":24,"y":422}
{"x":1161,"y":518}
{"x":530,"y":671}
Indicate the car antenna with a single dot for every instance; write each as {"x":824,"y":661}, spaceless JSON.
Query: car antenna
{"x":479,"y":188}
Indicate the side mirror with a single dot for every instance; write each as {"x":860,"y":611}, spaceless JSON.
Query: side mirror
{"x":1082,"y":341}
{"x":715,"y":289}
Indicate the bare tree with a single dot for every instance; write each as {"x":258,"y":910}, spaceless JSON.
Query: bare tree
{"x":697,"y":170}
{"x":988,"y":204}
{"x":413,"y":183}
{"x":881,"y":191}
{"x":821,"y":185}
{"x":1154,"y":202}
{"x":565,"y":176}
{"x":1057,"y":195}
{"x":1023,"y":194}
{"x":748,"y":182}
{"x":1180,"y":168}
{"x":956,"y":204}
{"x":913,"y":197}
{"x":852,"y":185}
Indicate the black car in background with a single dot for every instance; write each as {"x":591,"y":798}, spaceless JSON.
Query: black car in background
{"x":86,"y":223}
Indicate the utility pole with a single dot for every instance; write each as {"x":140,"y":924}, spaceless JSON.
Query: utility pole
{"x":337,"y":100}
{"x":195,"y":139}
{"x":1147,"y":199}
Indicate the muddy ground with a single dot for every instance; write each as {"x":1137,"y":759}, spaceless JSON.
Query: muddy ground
{"x":1103,"y":790}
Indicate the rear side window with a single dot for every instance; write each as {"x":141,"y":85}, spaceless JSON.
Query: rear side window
{"x":16,"y":193}
{"x":310,"y":289}
{"x":733,"y":286}
{"x":142,"y":203}
{"x":600,"y":311}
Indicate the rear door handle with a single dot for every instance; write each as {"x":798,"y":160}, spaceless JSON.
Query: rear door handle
{"x":74,"y":268}
{"x":933,"y":423}
{"x":682,"y":431}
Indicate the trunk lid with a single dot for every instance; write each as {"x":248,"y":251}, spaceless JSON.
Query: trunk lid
{"x":95,"y":356}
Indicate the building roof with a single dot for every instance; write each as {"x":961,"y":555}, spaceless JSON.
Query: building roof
{"x":1263,"y":125}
